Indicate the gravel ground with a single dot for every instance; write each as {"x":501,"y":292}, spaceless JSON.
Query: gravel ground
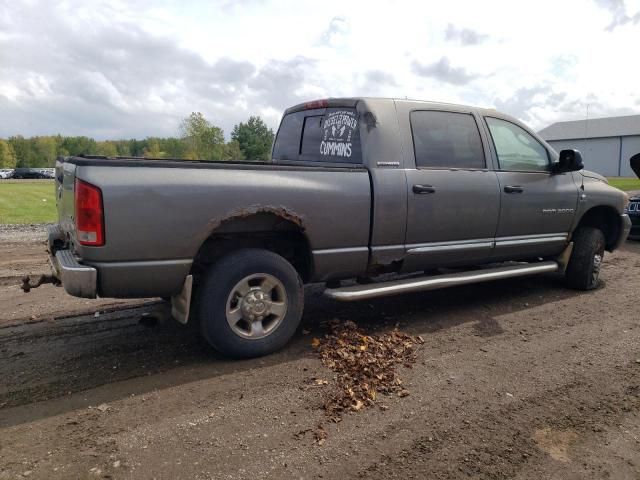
{"x":516,"y":379}
{"x":23,"y":233}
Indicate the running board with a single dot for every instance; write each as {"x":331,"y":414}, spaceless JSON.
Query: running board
{"x":395,"y":287}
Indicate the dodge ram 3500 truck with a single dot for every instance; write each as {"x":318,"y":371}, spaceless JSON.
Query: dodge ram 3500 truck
{"x":356,"y":188}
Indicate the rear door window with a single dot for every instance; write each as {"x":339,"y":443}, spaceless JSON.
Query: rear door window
{"x":287,"y":144}
{"x":329,"y":135}
{"x":446,"y":140}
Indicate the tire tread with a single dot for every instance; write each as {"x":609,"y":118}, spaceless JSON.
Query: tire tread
{"x":587,"y":241}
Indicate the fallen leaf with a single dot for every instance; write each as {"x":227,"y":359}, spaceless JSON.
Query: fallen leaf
{"x":320,"y":435}
{"x":364,"y":365}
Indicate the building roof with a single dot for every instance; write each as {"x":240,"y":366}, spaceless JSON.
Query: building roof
{"x":593,"y":128}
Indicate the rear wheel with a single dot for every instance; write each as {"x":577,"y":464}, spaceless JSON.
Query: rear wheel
{"x":583,"y":270}
{"x":250,"y":303}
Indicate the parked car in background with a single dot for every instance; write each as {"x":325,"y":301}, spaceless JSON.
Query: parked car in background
{"x":29,"y":173}
{"x":48,"y":172}
{"x":633,"y":209}
{"x":6,"y":173}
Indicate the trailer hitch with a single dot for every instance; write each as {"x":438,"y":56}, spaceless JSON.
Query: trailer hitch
{"x":41,"y":280}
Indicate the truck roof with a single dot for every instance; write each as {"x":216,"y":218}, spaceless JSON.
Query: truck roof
{"x":352,"y":101}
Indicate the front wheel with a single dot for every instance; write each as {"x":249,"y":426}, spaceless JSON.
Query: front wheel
{"x":584,"y":266}
{"x":250,"y":303}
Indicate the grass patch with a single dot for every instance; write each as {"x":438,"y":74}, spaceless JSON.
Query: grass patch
{"x":27,"y":201}
{"x":625,"y":184}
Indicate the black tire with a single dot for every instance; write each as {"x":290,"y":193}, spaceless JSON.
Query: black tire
{"x":215,"y":296}
{"x":586,"y":258}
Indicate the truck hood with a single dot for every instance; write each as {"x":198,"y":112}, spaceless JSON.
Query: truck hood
{"x":594,"y":175}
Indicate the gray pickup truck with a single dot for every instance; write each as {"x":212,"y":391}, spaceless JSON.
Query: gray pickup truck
{"x":365,"y":195}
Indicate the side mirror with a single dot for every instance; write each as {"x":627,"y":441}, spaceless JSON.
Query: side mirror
{"x":569,"y":161}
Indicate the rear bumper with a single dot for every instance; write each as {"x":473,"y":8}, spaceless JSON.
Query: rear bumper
{"x":87,"y":279}
{"x":77,"y":279}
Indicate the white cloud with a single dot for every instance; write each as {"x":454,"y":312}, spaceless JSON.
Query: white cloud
{"x":125,"y":69}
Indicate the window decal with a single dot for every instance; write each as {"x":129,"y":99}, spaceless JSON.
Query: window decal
{"x":338,"y":130}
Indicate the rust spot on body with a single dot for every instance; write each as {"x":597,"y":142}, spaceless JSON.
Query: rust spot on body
{"x":370,"y":121}
{"x":244,"y":212}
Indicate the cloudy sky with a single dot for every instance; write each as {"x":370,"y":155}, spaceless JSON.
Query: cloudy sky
{"x":122,"y":69}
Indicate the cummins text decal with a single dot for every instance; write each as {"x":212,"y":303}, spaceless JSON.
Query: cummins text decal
{"x":339,"y":128}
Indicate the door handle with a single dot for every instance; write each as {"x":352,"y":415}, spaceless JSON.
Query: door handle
{"x":513,"y":189}
{"x":422,"y":189}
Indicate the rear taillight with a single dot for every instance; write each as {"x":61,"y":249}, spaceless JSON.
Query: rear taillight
{"x":89,"y":214}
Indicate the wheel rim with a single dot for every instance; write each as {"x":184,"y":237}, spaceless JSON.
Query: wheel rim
{"x":597,"y":264}
{"x":256,"y":306}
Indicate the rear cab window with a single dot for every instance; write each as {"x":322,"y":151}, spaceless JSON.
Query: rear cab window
{"x":328,"y":135}
{"x":446,"y":140}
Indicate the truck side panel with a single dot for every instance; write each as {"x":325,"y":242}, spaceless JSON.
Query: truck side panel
{"x":156,"y":219}
{"x":382,"y":152}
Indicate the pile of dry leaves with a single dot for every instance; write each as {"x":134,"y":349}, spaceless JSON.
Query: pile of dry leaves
{"x":365,"y":365}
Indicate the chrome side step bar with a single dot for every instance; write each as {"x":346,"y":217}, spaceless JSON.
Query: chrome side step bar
{"x":395,"y":287}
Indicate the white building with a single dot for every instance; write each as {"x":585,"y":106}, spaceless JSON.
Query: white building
{"x":606,"y":144}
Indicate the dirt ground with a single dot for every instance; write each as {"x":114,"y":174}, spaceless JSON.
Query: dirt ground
{"x":516,"y":379}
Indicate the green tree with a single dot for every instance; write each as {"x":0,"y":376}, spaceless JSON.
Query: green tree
{"x":173,"y":147}
{"x":80,"y":145}
{"x":153,"y":149}
{"x":122,"y":148}
{"x":199,"y":139}
{"x":106,"y":148}
{"x":60,"y":150}
{"x":136,"y":147}
{"x":23,"y":148}
{"x":232,"y":151}
{"x":45,"y":152}
{"x":7,"y":155}
{"x":255,"y":138}
{"x":204,"y":140}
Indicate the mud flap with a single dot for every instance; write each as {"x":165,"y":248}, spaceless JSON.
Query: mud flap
{"x":181,"y":304}
{"x":563,"y":258}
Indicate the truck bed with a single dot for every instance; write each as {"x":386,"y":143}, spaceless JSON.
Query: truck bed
{"x":158,"y":213}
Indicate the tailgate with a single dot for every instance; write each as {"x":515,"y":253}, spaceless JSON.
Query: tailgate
{"x":65,"y":179}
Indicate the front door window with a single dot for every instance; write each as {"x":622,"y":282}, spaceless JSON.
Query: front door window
{"x":517,"y":150}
